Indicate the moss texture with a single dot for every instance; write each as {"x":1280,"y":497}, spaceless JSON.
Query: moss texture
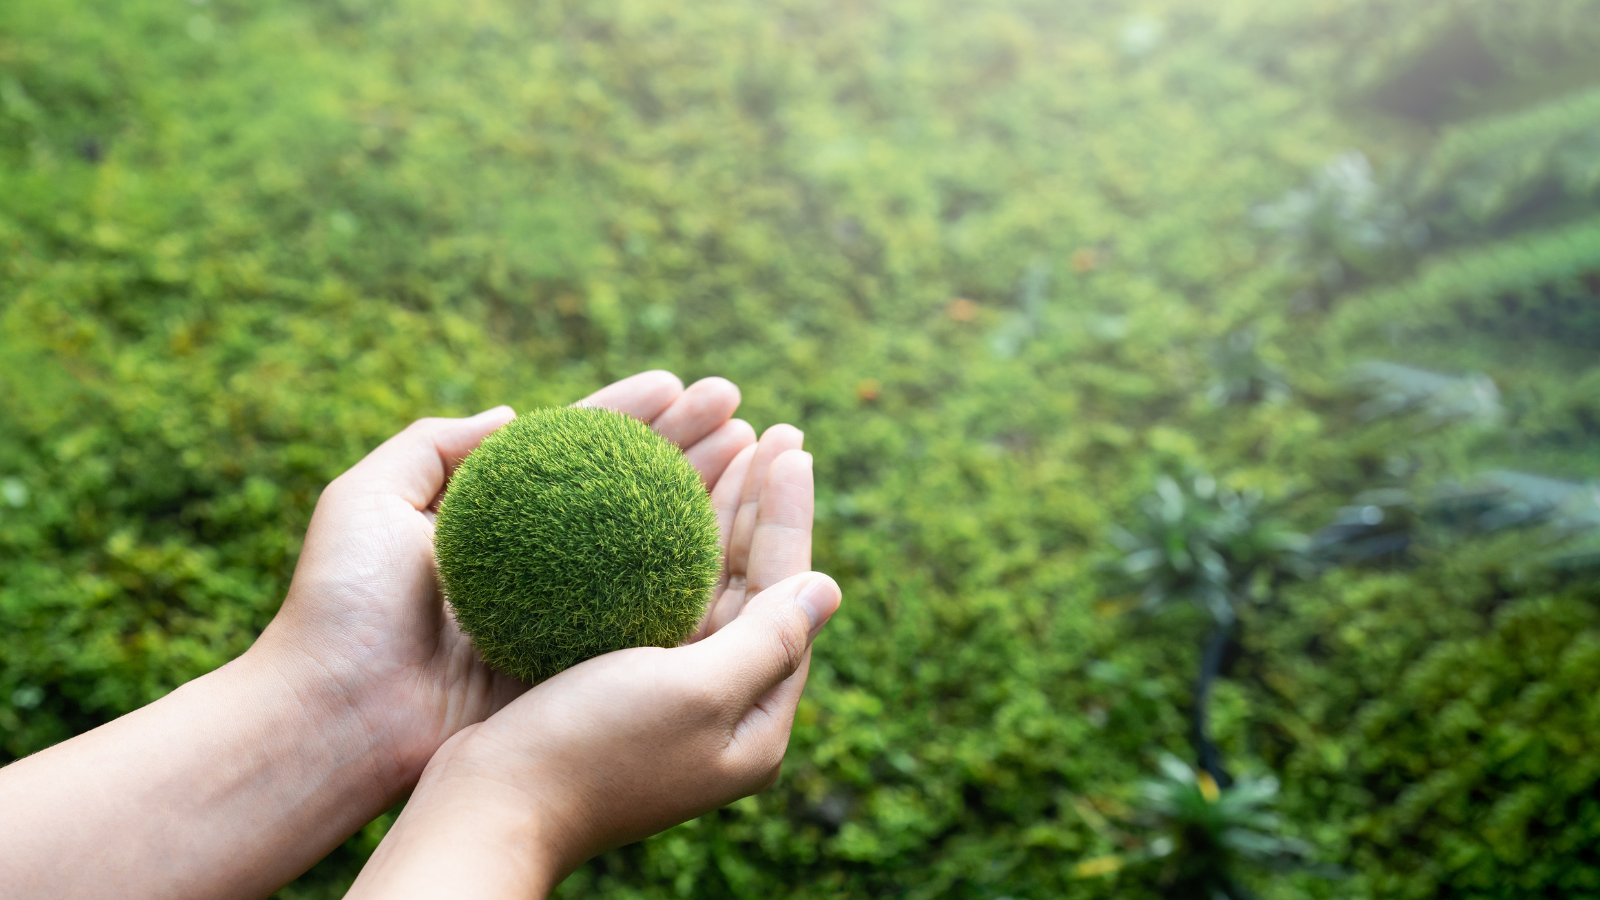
{"x":231,"y":267}
{"x":574,"y":532}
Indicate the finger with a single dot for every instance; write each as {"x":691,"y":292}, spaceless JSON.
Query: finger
{"x":415,"y":463}
{"x":780,"y":545}
{"x":643,"y":396}
{"x":725,"y":499}
{"x":776,"y":440}
{"x":698,"y":411}
{"x":775,"y":533}
{"x":712,"y":455}
{"x":769,"y":642}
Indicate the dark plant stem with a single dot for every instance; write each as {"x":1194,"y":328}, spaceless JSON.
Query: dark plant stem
{"x":1206,"y":752}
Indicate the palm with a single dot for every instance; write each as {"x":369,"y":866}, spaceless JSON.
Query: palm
{"x":365,"y":602}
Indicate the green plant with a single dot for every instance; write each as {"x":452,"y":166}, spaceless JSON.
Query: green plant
{"x":241,"y":244}
{"x":1205,"y":543}
{"x":1240,"y":374}
{"x":1447,"y":709}
{"x":1538,"y":163}
{"x":1535,"y":283}
{"x":1346,"y":225}
{"x":572,"y":532}
{"x":1207,"y":835}
{"x":1215,"y":547}
{"x":1437,"y":398}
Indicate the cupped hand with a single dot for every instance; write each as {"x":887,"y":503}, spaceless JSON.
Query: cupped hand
{"x":765,"y":538}
{"x":364,"y":622}
{"x":630,"y":743}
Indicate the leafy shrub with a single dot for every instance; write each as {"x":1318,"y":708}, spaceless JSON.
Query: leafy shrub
{"x":1452,"y":742}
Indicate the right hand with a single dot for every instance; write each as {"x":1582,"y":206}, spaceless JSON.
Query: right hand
{"x":633,"y":742}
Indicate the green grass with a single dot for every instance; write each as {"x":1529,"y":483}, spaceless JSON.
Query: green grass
{"x":980,"y":252}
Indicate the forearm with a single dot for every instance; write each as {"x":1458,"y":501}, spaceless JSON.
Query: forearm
{"x":463,"y":835}
{"x":228,"y":787}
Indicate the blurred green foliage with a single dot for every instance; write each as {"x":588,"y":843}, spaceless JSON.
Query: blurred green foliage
{"x":1206,"y":832}
{"x":984,"y":253}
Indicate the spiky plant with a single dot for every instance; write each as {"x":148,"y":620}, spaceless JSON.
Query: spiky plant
{"x":1436,"y":398}
{"x":1204,"y":543}
{"x":1346,"y":224}
{"x":574,"y":532}
{"x":1208,"y":835}
{"x":1383,"y":524}
{"x":1241,"y":374}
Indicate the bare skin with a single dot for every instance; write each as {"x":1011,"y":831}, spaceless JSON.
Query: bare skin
{"x":633,"y":742}
{"x":238,"y":781}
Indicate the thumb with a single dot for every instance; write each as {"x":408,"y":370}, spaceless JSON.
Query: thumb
{"x":416,"y":462}
{"x":769,"y":639}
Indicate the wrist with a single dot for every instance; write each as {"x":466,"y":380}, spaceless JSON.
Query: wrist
{"x":322,"y":706}
{"x":471,"y":828}
{"x":238,"y":781}
{"x":505,"y":784}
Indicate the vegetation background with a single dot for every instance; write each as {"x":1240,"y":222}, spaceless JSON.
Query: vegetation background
{"x":1203,"y":392}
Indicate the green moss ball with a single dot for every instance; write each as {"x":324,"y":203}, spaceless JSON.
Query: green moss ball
{"x":573,"y":532}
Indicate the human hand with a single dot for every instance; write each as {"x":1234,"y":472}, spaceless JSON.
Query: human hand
{"x":241,"y":779}
{"x":364,"y":623}
{"x":630,"y":743}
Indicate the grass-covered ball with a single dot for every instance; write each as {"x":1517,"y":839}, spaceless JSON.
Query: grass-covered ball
{"x":573,"y":532}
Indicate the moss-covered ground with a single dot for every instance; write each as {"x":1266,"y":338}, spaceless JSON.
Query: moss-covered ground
{"x":983,"y":253}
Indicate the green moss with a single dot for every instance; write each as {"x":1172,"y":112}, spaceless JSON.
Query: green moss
{"x":574,"y":532}
{"x":335,"y":216}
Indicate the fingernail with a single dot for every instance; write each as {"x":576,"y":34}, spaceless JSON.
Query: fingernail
{"x":495,"y":409}
{"x":819,"y":598}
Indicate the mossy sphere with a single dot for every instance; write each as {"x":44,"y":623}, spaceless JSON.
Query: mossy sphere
{"x":573,"y":532}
